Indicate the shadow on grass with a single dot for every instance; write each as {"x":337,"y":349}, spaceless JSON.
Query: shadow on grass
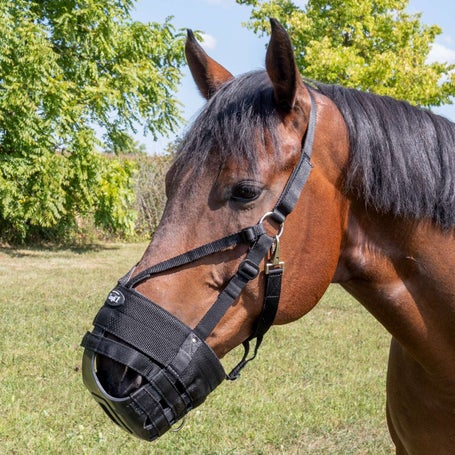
{"x":23,"y":251}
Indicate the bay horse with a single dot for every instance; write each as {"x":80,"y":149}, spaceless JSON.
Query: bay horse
{"x":376,"y":215}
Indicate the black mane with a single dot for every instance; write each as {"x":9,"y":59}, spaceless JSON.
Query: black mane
{"x":402,"y":158}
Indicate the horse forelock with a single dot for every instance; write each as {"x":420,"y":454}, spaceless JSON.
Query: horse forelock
{"x":402,"y":158}
{"x":235,"y":122}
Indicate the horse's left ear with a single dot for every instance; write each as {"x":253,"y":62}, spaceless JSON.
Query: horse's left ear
{"x":281,"y":66}
{"x":208,"y":74}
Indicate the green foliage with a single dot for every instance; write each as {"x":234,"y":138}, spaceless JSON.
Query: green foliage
{"x":116,"y":196}
{"x":69,"y":68}
{"x":38,"y":200}
{"x":150,"y":191}
{"x":370,"y":45}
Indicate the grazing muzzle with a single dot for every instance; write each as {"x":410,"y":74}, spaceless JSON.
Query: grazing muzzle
{"x":178,"y":369}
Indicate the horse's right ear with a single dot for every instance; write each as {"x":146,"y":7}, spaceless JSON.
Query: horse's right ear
{"x":208,"y":74}
{"x":281,"y":67}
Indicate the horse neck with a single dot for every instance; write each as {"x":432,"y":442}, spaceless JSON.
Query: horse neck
{"x":402,"y":272}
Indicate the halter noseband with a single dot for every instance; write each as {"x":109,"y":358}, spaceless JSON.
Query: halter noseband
{"x":178,"y":366}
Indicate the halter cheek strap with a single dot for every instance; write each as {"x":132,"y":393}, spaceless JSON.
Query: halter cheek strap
{"x":260,"y":243}
{"x":275,"y":268}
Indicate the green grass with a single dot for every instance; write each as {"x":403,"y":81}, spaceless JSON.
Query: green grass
{"x":317,"y":387}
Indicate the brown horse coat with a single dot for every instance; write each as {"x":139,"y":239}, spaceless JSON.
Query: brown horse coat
{"x":376,"y":216}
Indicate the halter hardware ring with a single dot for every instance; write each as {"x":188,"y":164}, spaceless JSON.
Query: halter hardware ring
{"x":177,"y":429}
{"x":270,"y":215}
{"x":274,"y":263}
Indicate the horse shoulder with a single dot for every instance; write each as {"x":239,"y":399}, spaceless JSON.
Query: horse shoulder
{"x":402,"y":272}
{"x":420,"y":406}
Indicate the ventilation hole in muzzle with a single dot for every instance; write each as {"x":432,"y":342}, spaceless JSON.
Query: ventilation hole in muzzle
{"x":161,"y":425}
{"x":168,"y":412}
{"x":148,"y":424}
{"x":118,"y":380}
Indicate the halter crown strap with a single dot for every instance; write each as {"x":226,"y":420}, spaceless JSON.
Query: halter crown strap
{"x":301,"y":171}
{"x":284,"y":206}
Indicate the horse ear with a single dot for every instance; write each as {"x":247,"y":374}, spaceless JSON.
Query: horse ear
{"x":281,"y":66}
{"x":208,"y":74}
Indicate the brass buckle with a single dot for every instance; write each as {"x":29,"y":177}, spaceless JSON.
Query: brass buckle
{"x":275,"y":262}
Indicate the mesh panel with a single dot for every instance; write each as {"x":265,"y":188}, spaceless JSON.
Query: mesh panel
{"x":144,"y":325}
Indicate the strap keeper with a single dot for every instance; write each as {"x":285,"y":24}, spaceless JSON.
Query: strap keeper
{"x":250,"y":234}
{"x":248,"y":270}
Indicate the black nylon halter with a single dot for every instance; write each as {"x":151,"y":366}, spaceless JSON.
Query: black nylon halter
{"x":178,"y":367}
{"x":260,"y":244}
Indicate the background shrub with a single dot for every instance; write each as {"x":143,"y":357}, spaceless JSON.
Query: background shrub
{"x":150,"y":191}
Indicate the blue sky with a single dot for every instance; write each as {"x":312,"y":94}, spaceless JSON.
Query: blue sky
{"x":240,"y":50}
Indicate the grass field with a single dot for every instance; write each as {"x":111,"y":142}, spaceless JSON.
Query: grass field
{"x":317,"y":386}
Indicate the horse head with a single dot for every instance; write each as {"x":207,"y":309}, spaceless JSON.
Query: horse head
{"x":227,"y":182}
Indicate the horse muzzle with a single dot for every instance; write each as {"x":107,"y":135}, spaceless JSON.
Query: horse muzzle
{"x":177,"y":367}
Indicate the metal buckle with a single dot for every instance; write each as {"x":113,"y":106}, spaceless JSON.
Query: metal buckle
{"x":275,"y":263}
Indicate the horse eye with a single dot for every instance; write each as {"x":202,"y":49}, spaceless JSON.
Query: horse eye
{"x":246,"y":192}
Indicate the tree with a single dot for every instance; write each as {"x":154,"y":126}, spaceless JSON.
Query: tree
{"x":76,"y":76}
{"x":372,"y":45}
